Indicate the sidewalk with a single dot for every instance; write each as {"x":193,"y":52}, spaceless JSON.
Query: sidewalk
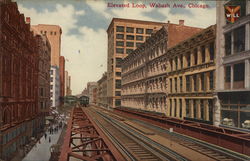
{"x":41,"y":151}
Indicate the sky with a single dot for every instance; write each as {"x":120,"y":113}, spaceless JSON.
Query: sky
{"x":84,"y":24}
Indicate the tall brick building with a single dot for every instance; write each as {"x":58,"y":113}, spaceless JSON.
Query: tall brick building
{"x":124,"y":35}
{"x":19,"y":68}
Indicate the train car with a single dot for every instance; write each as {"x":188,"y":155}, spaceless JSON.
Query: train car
{"x":71,"y":100}
{"x":84,"y":101}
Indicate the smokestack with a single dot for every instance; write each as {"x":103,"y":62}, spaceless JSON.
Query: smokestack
{"x":168,"y":21}
{"x":28,"y":20}
{"x":181,"y":22}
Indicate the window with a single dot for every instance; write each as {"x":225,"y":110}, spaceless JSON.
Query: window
{"x":119,"y":43}
{"x":139,"y":38}
{"x":54,"y":33}
{"x":175,"y":106}
{"x":228,"y":43}
{"x":181,"y":84}
{"x":139,"y":30}
{"x":180,"y":100}
{"x":117,"y":102}
{"x":211,"y":80}
{"x":118,"y":74}
{"x":202,"y":109}
{"x":188,"y":59}
{"x":203,"y":54}
{"x":176,"y":63}
{"x":210,"y":110}
{"x":187,"y":109}
{"x":188,"y":83}
{"x":171,"y":64}
{"x":170,"y":109}
{"x":149,"y":31}
{"x":170,"y":84}
{"x":130,"y":44}
{"x":130,"y":37}
{"x":195,"y":82}
{"x":181,"y":60}
{"x":119,"y":36}
{"x":119,"y":50}
{"x":202,"y":81}
{"x":175,"y":84}
{"x":138,"y":44}
{"x":211,"y":50}
{"x":130,"y":29}
{"x":128,"y":51}
{"x":118,"y":62}
{"x":195,"y":57}
{"x":195,"y":108}
{"x":118,"y":93}
{"x":119,"y":29}
{"x":228,"y":74}
{"x":51,"y":33}
{"x":118,"y":84}
{"x":51,"y":86}
{"x":239,"y":72}
{"x":239,"y":39}
{"x":51,"y":79}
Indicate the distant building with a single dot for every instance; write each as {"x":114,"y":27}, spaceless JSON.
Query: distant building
{"x":62,"y":77}
{"x":102,"y":91}
{"x":124,"y":36}
{"x":19,"y":69}
{"x":147,"y":72}
{"x":233,"y":65}
{"x":53,"y":33}
{"x":92,"y":92}
{"x":55,"y":86}
{"x":69,"y":91}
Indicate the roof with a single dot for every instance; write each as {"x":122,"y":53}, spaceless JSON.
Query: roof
{"x":134,"y":21}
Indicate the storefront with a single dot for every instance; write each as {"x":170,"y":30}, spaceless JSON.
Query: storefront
{"x":235,"y":109}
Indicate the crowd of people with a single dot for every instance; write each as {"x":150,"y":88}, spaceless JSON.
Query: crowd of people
{"x":53,"y":129}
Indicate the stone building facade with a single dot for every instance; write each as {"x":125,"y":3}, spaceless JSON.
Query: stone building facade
{"x":124,"y":36}
{"x":102,"y":91}
{"x":19,"y":112}
{"x":92,"y":92}
{"x":191,"y":77}
{"x":147,"y":73}
{"x":233,"y":66}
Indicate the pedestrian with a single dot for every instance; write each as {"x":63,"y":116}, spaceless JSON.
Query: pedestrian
{"x":49,"y":140}
{"x":45,"y":135}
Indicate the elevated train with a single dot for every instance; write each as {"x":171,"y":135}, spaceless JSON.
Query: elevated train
{"x":73,"y":100}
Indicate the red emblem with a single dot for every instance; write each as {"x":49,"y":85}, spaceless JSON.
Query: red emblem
{"x":232,"y":13}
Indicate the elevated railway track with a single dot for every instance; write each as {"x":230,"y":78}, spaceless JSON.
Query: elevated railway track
{"x":108,"y":135}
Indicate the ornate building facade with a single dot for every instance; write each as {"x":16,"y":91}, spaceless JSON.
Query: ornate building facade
{"x":154,"y":75}
{"x":191,"y":77}
{"x":19,"y":112}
